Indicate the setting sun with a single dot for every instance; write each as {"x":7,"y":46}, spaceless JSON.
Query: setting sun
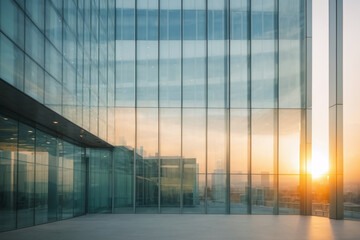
{"x":320,"y":164}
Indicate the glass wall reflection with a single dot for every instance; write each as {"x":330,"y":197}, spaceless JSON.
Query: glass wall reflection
{"x":208,"y":116}
{"x":197,"y":98}
{"x":62,"y":54}
{"x":43,"y":177}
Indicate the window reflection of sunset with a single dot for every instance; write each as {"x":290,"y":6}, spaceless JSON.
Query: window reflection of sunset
{"x":320,"y":164}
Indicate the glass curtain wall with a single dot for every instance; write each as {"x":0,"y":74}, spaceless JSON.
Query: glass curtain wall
{"x":43,"y":178}
{"x":210,"y":106}
{"x":62,"y":54}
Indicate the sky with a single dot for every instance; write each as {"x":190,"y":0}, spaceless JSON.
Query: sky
{"x":351,"y":78}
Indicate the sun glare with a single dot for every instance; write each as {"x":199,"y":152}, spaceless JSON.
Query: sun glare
{"x":320,"y":164}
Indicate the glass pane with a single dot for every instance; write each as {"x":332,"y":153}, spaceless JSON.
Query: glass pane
{"x":194,"y":139}
{"x":36,"y":12}
{"x":290,"y":141}
{"x":239,"y":141}
{"x":147,"y":53}
{"x":289,"y":194}
{"x":68,"y":181}
{"x":124,"y":179}
{"x":217,"y":199}
{"x":70,"y":14}
{"x":53,"y":97}
{"x":170,"y":184}
{"x":125,"y":53}
{"x":12,"y":22}
{"x":239,"y":53}
{"x":11,"y":63}
{"x":170,"y":53}
{"x":239,"y":194}
{"x":263,"y":190}
{"x":194,"y":53}
{"x":125,"y":127}
{"x":53,"y":61}
{"x":217,"y":54}
{"x":100,"y":161}
{"x":69,"y":45}
{"x":263,"y":53}
{"x":8,"y":162}
{"x":217,"y":141}
{"x":193,"y":189}
{"x":147,"y":161}
{"x":34,"y":42}
{"x":26,"y":174}
{"x":170,"y":157}
{"x":34,"y":80}
{"x":263,"y":141}
{"x":320,"y":199}
{"x":53,"y":26}
{"x":79,"y":181}
{"x":59,"y":180}
{"x":44,"y":145}
{"x":291,"y":54}
{"x":69,"y":92}
{"x":124,"y":160}
{"x":51,"y":148}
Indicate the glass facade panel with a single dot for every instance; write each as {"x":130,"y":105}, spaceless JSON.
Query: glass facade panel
{"x":12,"y":22}
{"x":34,"y":42}
{"x":239,"y":53}
{"x":194,"y":138}
{"x":239,"y":194}
{"x":194,"y":53}
{"x":203,"y":102}
{"x":217,"y":141}
{"x":170,"y":159}
{"x":239,"y":141}
{"x":125,"y":53}
{"x":217,"y":192}
{"x":147,"y":161}
{"x":53,"y":25}
{"x":123,"y":179}
{"x":36,"y":12}
{"x":11,"y":63}
{"x":289,"y":194}
{"x":68,"y":181}
{"x":263,"y":194}
{"x":53,"y":94}
{"x":263,"y":141}
{"x":290,"y":141}
{"x":100,"y":194}
{"x":34,"y":80}
{"x":53,"y":61}
{"x":217,"y":78}
{"x":193,"y":188}
{"x":147,"y":55}
{"x":45,"y":154}
{"x":43,"y":177}
{"x":8,"y":168}
{"x":26,"y":176}
{"x":170,"y":54}
{"x":263,"y":53}
{"x":291,"y":54}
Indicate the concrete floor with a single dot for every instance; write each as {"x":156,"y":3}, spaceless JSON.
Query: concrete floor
{"x":174,"y":227}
